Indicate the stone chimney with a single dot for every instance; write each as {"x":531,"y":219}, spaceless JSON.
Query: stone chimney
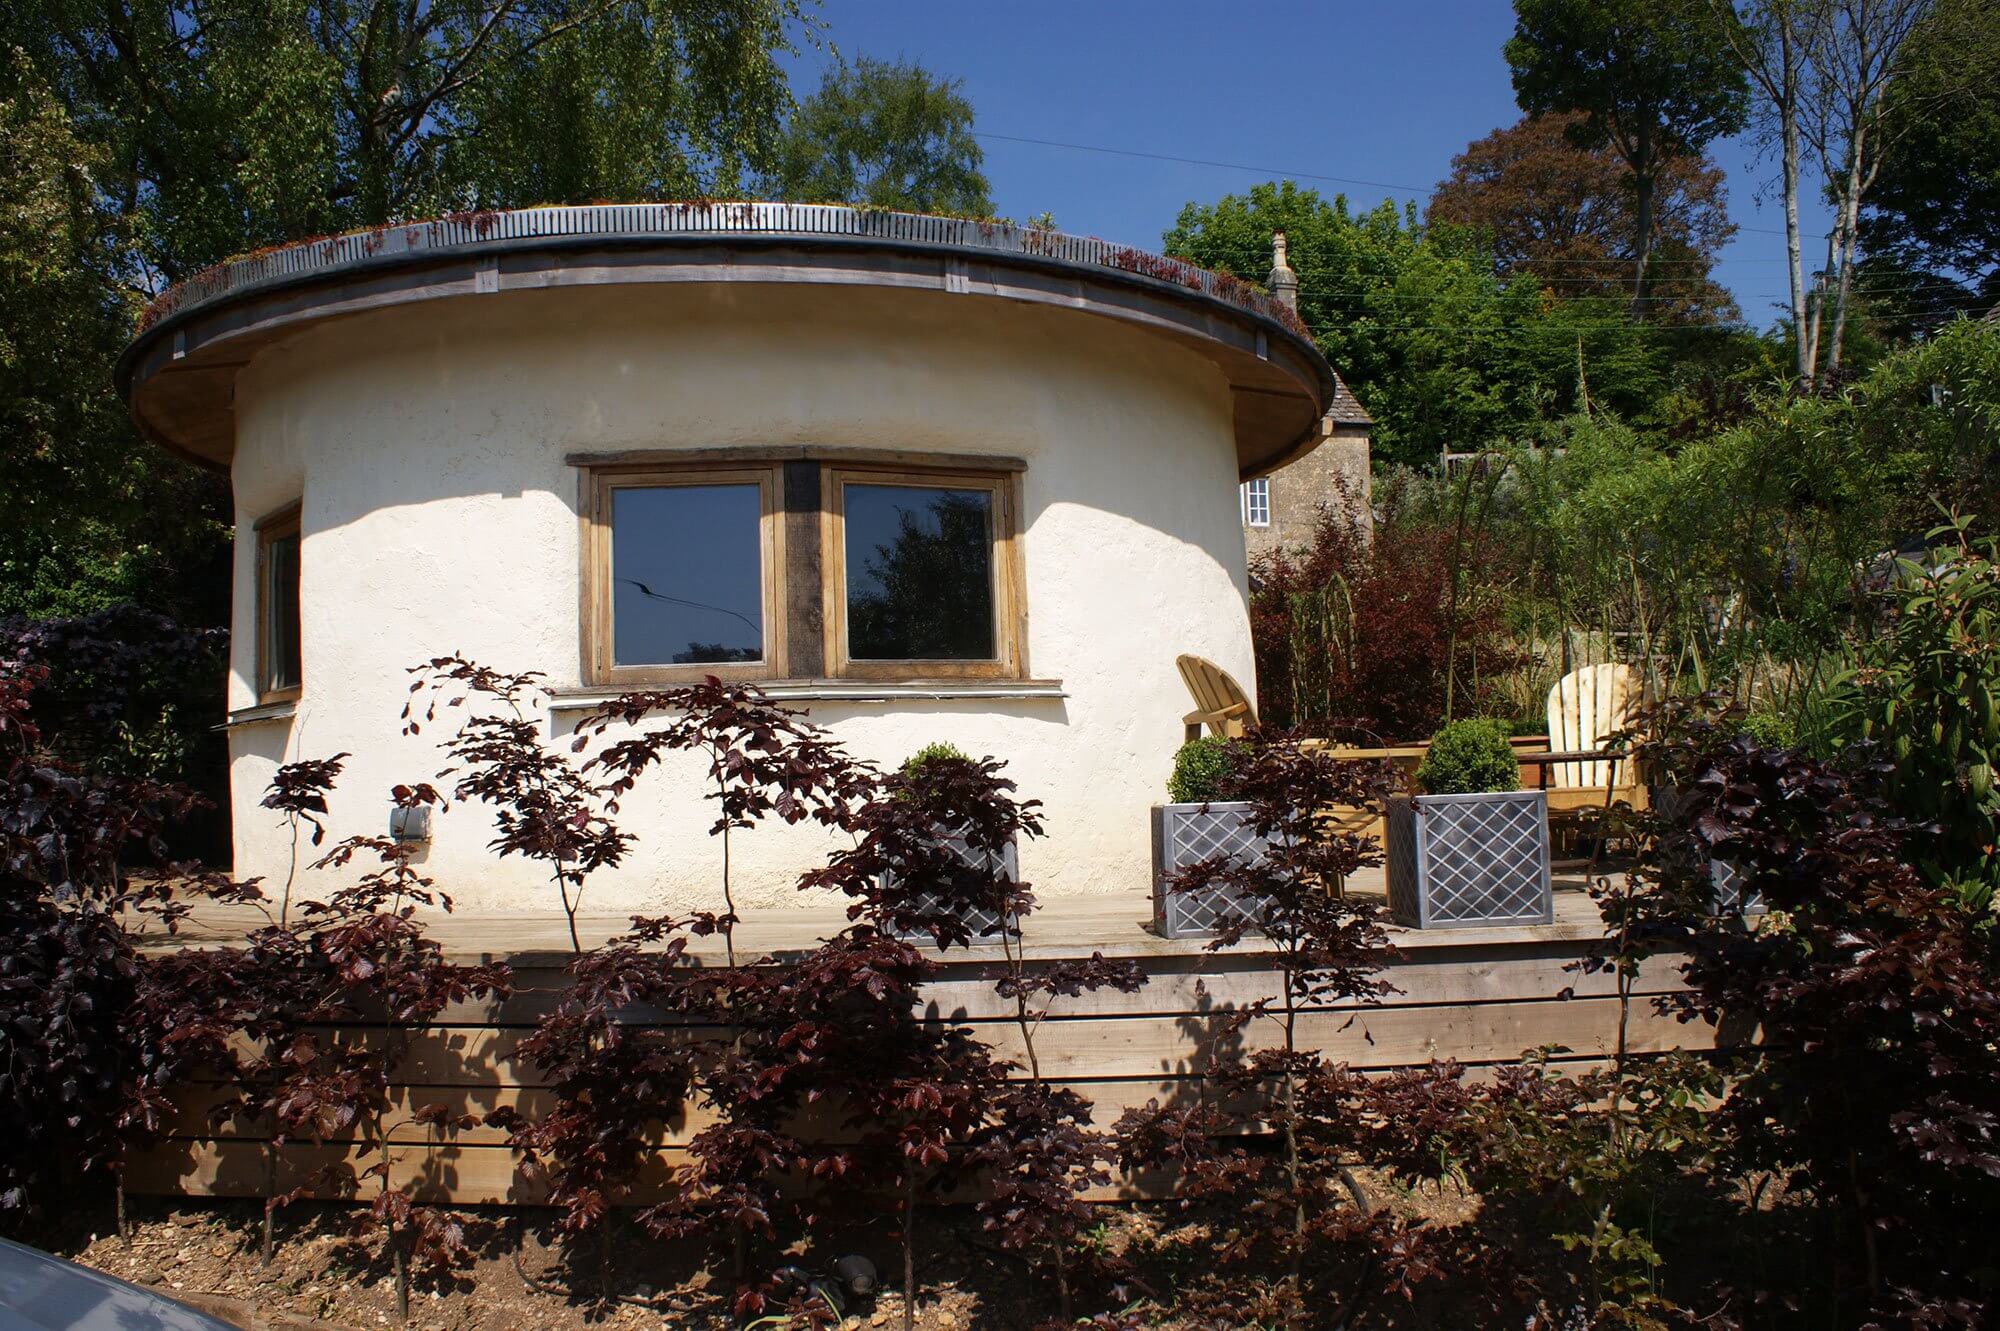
{"x":1283,"y":282}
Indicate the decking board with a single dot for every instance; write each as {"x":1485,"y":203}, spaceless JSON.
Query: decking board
{"x":1481,"y":997}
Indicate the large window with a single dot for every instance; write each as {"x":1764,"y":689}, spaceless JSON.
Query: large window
{"x":800,"y":567}
{"x":684,"y":575}
{"x":280,"y":670}
{"x":920,"y":579}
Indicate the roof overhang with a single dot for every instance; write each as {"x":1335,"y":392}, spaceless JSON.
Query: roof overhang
{"x":179,"y":372}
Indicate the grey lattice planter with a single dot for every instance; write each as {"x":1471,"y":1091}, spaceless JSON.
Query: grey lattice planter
{"x":984,"y":924}
{"x":1461,"y":861}
{"x":1186,"y":834}
{"x":1725,"y":880}
{"x":1728,"y":897}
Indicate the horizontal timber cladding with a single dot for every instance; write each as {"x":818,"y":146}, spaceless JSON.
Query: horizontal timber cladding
{"x":1483,"y":1006}
{"x":466,"y":1176}
{"x":1162,"y":1046}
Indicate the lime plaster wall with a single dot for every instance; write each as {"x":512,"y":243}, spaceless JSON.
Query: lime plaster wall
{"x":427,"y":445}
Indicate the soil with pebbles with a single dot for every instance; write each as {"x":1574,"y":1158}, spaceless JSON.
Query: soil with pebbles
{"x":327,"y":1276}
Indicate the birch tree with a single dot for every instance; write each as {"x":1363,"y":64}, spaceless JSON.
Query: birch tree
{"x":1850,"y":66}
{"x":1774,"y":41}
{"x":230,"y":124}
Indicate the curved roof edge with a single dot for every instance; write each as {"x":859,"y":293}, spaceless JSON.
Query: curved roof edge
{"x":244,"y":301}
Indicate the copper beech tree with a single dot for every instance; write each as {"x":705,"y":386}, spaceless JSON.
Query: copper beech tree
{"x":1564,"y":215}
{"x":1856,"y":1139}
{"x":1303,"y":1241}
{"x":76,"y":1079}
{"x":1872,"y":1088}
{"x":821,"y":1084}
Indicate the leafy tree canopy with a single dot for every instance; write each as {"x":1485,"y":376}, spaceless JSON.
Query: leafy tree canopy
{"x":227,"y":124}
{"x":1935,"y":207}
{"x":1565,"y":215}
{"x":145,"y":139}
{"x":888,"y":135}
{"x":93,"y":517}
{"x":1443,"y":351}
{"x":1649,"y":77}
{"x":1652,"y":79}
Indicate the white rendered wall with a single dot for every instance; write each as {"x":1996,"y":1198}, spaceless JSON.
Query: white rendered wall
{"x":427,"y":445}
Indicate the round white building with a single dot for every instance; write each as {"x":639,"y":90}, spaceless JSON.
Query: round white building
{"x":927,"y":479}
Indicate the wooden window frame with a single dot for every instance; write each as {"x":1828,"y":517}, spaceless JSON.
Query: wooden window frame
{"x":598,"y":641}
{"x":1009,"y":635}
{"x":271,"y":528}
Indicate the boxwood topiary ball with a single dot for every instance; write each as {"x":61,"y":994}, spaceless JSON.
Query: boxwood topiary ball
{"x":1469,"y":757}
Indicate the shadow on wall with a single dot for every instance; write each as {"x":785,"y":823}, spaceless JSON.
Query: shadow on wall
{"x":879,"y":372}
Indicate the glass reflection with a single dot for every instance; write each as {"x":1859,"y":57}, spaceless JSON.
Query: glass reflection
{"x":919,"y":573}
{"x":281,"y":624}
{"x":686,"y":575}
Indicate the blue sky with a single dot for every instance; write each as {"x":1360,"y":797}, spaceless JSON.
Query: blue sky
{"x":1368,"y":90}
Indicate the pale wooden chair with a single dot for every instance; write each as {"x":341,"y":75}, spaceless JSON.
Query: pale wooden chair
{"x":1586,"y":707}
{"x":1220,"y":703}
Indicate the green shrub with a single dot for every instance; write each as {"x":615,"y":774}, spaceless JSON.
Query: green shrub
{"x":1925,"y":694}
{"x":1202,"y":770}
{"x":935,"y":751}
{"x":1469,"y":757}
{"x":919,"y":769}
{"x":1769,"y":730}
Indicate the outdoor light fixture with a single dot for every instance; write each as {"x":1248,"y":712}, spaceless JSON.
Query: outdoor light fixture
{"x":410,"y":826}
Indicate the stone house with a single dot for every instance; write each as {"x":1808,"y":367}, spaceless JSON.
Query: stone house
{"x":1281,"y":509}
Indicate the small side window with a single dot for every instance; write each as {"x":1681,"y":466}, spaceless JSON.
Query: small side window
{"x":280,"y":666}
{"x":1257,"y":502}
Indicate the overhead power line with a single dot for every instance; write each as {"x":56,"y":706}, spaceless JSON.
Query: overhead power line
{"x":1198,"y":161}
{"x":1614,"y":285}
{"x":1416,"y":190}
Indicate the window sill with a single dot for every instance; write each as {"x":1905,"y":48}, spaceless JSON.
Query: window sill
{"x":258,"y":715}
{"x":844,"y":690}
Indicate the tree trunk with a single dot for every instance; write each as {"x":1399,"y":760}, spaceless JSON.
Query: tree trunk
{"x":270,"y":1201}
{"x":1293,"y":1170}
{"x":909,"y":1248}
{"x":1644,"y":170}
{"x":1789,"y":118}
{"x":1817,"y":304}
{"x":1850,"y":222}
{"x":1292,"y":1158}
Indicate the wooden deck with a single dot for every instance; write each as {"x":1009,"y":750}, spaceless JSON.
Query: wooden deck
{"x":1481,"y":997}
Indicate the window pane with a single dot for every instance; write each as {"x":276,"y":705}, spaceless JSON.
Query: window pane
{"x":281,"y":612}
{"x":1257,"y":502}
{"x":687,"y":575}
{"x":919,"y":573}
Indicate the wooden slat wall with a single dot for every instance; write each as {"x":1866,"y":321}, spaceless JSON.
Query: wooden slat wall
{"x":1483,"y":1006}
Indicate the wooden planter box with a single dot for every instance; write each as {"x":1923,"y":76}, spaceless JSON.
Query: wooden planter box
{"x":984,"y":924}
{"x":1460,"y":861}
{"x":1186,"y":834}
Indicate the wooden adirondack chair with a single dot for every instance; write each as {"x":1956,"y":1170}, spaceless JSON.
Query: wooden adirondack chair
{"x":1586,"y":707}
{"x":1220,"y":703}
